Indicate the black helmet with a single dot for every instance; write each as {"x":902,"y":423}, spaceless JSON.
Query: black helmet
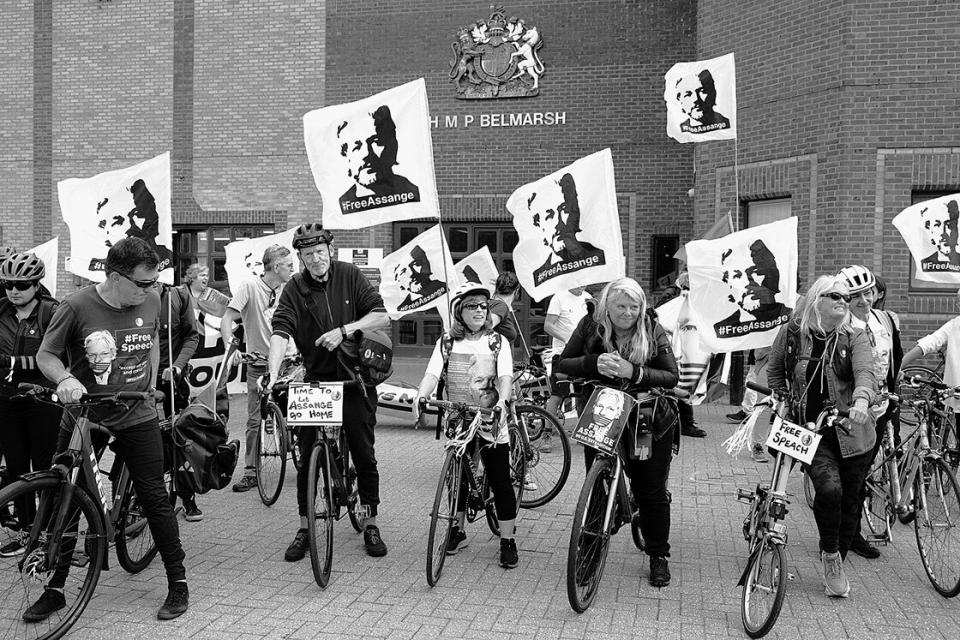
{"x":309,"y":235}
{"x":22,"y":267}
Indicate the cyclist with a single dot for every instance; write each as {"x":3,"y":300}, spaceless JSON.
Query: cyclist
{"x":822,"y":359}
{"x":564,"y":312}
{"x":332,"y":300}
{"x":122,"y":312}
{"x":478,"y":369}
{"x":254,"y":302}
{"x":624,"y":346}
{"x":28,"y":435}
{"x":947,"y":340}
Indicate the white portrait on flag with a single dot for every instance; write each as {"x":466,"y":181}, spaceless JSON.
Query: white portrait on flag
{"x":372,"y":160}
{"x":568,"y":227}
{"x":478,"y":267}
{"x":743,"y":286}
{"x":701,"y":100}
{"x":49,"y":251}
{"x":415,"y":276}
{"x":126,"y":203}
{"x":244,"y":258}
{"x":931,"y":230}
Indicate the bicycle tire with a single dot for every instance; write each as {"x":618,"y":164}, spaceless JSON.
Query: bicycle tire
{"x":320,"y":505}
{"x":135,"y":545}
{"x":937,"y":507}
{"x":518,"y":471}
{"x":548,"y":467}
{"x":293,"y":441}
{"x":350,"y":483}
{"x":271,"y":462}
{"x":809,"y":492}
{"x":636,"y":534}
{"x":908,"y":393}
{"x":948,"y":441}
{"x":877,"y":510}
{"x":18,"y":592}
{"x":766,"y":575}
{"x":442,"y":517}
{"x":587,"y":551}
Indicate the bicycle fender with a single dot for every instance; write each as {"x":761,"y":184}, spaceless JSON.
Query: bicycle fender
{"x":59,"y":472}
{"x":746,"y":568}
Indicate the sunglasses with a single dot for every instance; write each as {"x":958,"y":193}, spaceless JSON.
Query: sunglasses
{"x":475,"y":306}
{"x":19,"y":286}
{"x":143,"y":284}
{"x":836,"y":297}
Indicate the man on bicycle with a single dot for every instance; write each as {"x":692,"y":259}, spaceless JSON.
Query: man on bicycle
{"x":126,"y":306}
{"x":326,"y":303}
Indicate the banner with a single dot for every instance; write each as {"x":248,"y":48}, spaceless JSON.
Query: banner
{"x":207,"y":360}
{"x":415,"y":276}
{"x":49,"y":251}
{"x":372,"y":160}
{"x":743,"y":286}
{"x":478,"y":267}
{"x":245,"y":257}
{"x":720,"y":228}
{"x":568,"y":227}
{"x":701,"y":100}
{"x":127,"y":203}
{"x":931,"y":230}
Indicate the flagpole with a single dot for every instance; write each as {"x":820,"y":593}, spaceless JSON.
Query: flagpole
{"x":736,"y":180}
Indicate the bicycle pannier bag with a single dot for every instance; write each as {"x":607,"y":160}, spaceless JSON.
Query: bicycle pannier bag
{"x":205,"y":460}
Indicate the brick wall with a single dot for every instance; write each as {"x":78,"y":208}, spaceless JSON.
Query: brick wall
{"x":16,"y":130}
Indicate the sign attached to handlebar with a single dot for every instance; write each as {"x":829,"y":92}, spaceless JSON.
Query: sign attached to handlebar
{"x":311,"y":404}
{"x":603,"y":419}
{"x":793,"y":440}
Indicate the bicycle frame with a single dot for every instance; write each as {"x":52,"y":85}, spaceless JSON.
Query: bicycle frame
{"x":337,"y":452}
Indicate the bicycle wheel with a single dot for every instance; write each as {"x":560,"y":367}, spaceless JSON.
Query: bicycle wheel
{"x":518,"y":472}
{"x":877,"y":512}
{"x":136,"y":547}
{"x":937,"y":525}
{"x":763,"y":590}
{"x":293,"y":437}
{"x":82,"y":552}
{"x":809,"y":493}
{"x":947,"y":441}
{"x":636,"y":534}
{"x":908,"y":393}
{"x":320,"y":514}
{"x":547,"y":455}
{"x":442,"y":517}
{"x":589,"y":541}
{"x":271,"y":454}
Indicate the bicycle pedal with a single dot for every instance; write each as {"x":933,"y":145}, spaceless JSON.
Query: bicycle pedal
{"x":743,"y":495}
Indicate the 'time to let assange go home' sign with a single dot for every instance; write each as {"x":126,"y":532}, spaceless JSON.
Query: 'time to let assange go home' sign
{"x":523,"y":119}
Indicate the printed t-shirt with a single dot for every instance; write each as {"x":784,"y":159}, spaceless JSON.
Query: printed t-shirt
{"x":108,"y":349}
{"x":472,"y":375}
{"x":569,"y":309}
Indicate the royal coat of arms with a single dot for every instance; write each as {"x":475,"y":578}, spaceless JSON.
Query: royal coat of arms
{"x":497,"y":58}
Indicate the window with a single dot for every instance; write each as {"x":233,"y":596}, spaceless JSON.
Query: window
{"x":206,"y":246}
{"x":664,"y":266}
{"x":765,"y":211}
{"x":924,"y":285}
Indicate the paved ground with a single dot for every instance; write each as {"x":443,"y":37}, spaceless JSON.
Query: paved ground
{"x":241,"y":587}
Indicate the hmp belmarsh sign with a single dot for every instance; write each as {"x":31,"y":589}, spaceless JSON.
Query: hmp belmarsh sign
{"x":522,"y":119}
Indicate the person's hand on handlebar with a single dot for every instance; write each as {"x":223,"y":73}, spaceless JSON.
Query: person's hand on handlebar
{"x":70,"y":389}
{"x":266,"y":382}
{"x":165,"y":375}
{"x":859,"y":413}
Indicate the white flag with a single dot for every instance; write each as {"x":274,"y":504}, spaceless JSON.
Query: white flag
{"x":126,"y":203}
{"x":478,"y":267}
{"x":701,"y":100}
{"x":743,"y":286}
{"x":415,"y":276}
{"x":49,"y":251}
{"x":568,"y":227}
{"x":372,"y":160}
{"x":245,"y":257}
{"x":931,"y":230}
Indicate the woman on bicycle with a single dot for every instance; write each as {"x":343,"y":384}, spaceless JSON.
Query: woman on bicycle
{"x":28,"y":430}
{"x":823,"y":361}
{"x":622,"y":345}
{"x":477,"y":366}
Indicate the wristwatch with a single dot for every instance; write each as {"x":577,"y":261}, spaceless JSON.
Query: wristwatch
{"x":343,"y":332}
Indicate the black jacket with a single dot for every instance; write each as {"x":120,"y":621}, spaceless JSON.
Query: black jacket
{"x":20,"y":341}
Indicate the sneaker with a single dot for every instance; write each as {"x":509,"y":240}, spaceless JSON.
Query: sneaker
{"x":51,"y":601}
{"x":508,"y":553}
{"x":693,"y":431}
{"x":758,"y":453}
{"x":373,"y":542}
{"x":546,"y":443}
{"x":528,"y":485}
{"x":245,"y":484}
{"x":12,"y":548}
{"x":191,"y":511}
{"x":859,"y":546}
{"x":457,"y":541}
{"x":835,"y":583}
{"x":176,"y":603}
{"x":298,"y":548}
{"x":739,"y":416}
{"x":659,"y":572}
{"x":8,"y":520}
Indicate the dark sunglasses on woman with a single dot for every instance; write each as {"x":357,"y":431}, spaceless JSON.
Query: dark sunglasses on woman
{"x":836,"y":296}
{"x":19,"y":285}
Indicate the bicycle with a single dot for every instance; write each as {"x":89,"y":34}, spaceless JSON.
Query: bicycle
{"x":912,"y":481}
{"x":764,"y":579}
{"x":462,"y":467}
{"x":73,"y":522}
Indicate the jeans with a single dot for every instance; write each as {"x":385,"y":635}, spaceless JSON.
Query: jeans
{"x":28,"y":437}
{"x":254,"y":371}
{"x":838,"y":483}
{"x":358,"y":423}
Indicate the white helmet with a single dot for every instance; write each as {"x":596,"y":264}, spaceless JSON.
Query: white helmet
{"x":464,"y":290}
{"x":858,"y":278}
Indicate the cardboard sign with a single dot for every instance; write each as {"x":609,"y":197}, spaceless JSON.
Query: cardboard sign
{"x":793,"y":440}
{"x":603,"y":419}
{"x":313,"y":404}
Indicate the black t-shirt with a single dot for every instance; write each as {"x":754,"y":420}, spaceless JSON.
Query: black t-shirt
{"x":817,"y":392}
{"x":507,"y":327}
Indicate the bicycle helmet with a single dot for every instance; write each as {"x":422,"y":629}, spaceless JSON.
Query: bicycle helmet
{"x":464,"y":290}
{"x":310,"y":235}
{"x":858,"y":278}
{"x":5,"y":251}
{"x":22,"y":267}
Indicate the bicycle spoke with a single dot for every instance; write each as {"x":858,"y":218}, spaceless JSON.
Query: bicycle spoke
{"x":936,"y":525}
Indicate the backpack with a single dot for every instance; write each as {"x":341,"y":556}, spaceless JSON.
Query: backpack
{"x":370,"y":356}
{"x":204,"y":458}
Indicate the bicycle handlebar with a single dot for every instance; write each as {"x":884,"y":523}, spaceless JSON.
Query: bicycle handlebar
{"x":460,"y":407}
{"x":47,"y":393}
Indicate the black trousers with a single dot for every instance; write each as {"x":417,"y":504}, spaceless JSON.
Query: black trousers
{"x":648,"y":482}
{"x":141,"y":447}
{"x":358,"y":423}
{"x":838,"y":483}
{"x":28,"y":438}
{"x":496,"y":464}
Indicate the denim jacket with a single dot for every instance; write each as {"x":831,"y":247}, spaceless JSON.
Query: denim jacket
{"x":848,"y":364}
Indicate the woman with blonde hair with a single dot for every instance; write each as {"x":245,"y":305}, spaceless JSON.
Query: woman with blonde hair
{"x":623,"y":346}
